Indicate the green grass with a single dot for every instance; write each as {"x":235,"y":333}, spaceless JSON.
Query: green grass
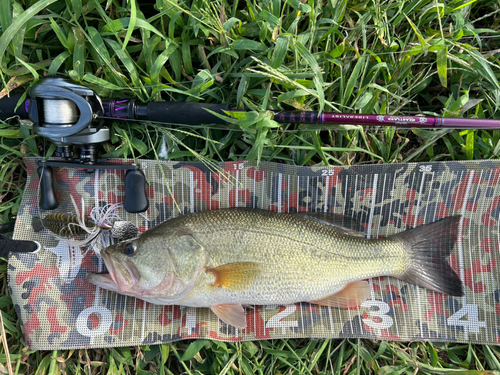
{"x":368,"y":56}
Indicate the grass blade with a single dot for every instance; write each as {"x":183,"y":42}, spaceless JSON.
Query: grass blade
{"x":442,"y":65}
{"x":18,"y":23}
{"x":353,"y":79}
{"x":131,"y":25}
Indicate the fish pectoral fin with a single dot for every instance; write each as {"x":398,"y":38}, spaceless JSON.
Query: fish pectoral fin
{"x":235,"y":276}
{"x":231,"y":314}
{"x":352,"y":295}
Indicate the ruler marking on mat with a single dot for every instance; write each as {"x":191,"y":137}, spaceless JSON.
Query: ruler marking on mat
{"x":473,"y":319}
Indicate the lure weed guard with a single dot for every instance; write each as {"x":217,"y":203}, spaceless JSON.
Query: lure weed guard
{"x":59,"y":309}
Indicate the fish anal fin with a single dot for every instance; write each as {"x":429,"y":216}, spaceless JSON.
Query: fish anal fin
{"x":235,"y":276}
{"x":352,"y":295}
{"x":231,"y":314}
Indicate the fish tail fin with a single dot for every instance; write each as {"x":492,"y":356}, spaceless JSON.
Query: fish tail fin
{"x":429,"y":246}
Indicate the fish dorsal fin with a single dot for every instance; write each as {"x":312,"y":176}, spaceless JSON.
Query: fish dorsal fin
{"x":232,"y":314}
{"x":345,"y":225}
{"x":352,"y":295}
{"x":235,"y":276}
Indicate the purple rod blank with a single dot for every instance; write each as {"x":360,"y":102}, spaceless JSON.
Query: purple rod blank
{"x":384,"y":120}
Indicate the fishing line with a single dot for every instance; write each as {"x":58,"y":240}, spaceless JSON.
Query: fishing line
{"x":70,"y":115}
{"x":233,"y":129}
{"x":190,"y":82}
{"x":60,"y":112}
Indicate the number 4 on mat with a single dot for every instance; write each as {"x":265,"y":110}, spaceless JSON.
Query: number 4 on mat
{"x":471,"y":323}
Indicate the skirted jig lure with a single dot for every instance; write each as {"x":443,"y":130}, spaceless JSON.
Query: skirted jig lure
{"x":79,"y":230}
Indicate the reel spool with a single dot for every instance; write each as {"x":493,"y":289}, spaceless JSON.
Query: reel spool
{"x":63,"y":112}
{"x":60,"y":112}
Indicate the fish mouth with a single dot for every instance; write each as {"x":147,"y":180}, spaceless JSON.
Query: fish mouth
{"x":122,"y":276}
{"x":102,"y":280}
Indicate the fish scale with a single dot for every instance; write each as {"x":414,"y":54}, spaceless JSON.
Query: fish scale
{"x":227,"y":258}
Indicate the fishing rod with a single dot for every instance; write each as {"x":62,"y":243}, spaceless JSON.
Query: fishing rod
{"x":60,"y":108}
{"x":69,"y":115}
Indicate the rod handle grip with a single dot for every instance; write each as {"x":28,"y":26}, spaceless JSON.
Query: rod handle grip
{"x":8,"y":104}
{"x":182,"y":112}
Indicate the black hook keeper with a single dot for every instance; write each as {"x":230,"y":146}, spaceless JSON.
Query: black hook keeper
{"x":7,"y":245}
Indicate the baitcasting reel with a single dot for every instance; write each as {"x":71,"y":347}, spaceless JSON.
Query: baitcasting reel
{"x":66,"y":114}
{"x":73,"y":115}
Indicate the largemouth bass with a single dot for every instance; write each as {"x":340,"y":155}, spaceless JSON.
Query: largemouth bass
{"x":226,"y":259}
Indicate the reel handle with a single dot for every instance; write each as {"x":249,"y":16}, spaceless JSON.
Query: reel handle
{"x":48,"y":200}
{"x":136,"y":199}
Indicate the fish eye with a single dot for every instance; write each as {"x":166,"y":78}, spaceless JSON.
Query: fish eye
{"x":129,"y":249}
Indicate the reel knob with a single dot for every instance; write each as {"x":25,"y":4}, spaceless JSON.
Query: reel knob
{"x":136,"y":199}
{"x":48,"y":200}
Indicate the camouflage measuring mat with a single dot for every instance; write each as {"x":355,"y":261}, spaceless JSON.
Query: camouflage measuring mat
{"x":58,"y":308}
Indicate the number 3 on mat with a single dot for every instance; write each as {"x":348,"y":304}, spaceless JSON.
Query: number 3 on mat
{"x":384,"y":321}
